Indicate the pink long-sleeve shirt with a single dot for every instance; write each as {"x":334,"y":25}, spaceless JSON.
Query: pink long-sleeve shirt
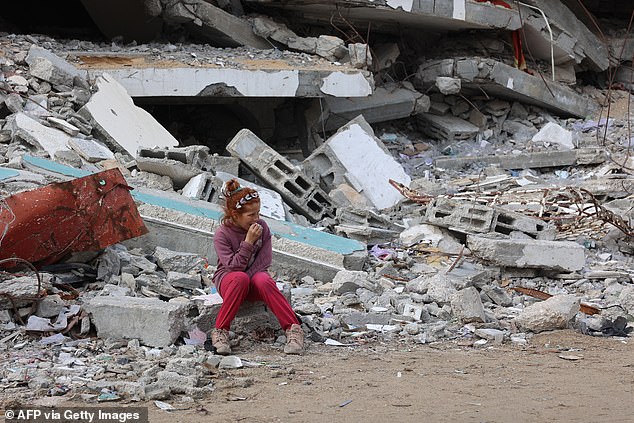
{"x":236,"y":255}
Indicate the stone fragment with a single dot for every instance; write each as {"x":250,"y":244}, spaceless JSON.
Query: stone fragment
{"x":554,"y":313}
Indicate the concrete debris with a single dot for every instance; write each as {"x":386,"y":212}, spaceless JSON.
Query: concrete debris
{"x":355,"y":156}
{"x":121,"y":124}
{"x":438,"y":187}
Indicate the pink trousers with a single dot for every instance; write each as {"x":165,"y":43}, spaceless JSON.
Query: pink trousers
{"x":236,"y":287}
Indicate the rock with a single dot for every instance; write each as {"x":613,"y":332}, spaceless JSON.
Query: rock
{"x":351,"y":280}
{"x":554,"y":313}
{"x":467,"y":306}
{"x":447,"y":85}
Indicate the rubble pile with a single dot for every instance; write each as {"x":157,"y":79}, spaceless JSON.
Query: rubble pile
{"x":476,"y":202}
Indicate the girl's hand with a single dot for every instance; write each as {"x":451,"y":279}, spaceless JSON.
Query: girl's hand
{"x":253,"y":234}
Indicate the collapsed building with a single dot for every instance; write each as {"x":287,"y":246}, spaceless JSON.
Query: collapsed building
{"x":429,"y":170}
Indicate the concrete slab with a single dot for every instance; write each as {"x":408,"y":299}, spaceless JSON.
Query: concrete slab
{"x":239,"y":73}
{"x":46,"y":65}
{"x":186,"y":225}
{"x":354,"y":155}
{"x":528,"y":253}
{"x":447,"y":127}
{"x":386,"y":103}
{"x":537,"y":160}
{"x":572,"y":39}
{"x":91,"y":150}
{"x":219,"y":27}
{"x":498,"y":79}
{"x":121,"y":123}
{"x":30,"y":130}
{"x":394,"y":15}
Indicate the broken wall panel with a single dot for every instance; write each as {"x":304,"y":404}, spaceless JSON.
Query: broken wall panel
{"x":495,"y":78}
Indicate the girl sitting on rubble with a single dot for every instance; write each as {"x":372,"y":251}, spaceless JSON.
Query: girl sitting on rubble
{"x":244,"y":250}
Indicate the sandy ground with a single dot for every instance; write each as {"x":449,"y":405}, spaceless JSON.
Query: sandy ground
{"x":406,"y":382}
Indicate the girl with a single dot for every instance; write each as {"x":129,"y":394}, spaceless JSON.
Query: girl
{"x":243,"y":247}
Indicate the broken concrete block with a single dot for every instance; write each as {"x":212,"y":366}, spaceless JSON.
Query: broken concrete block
{"x":278,"y":172}
{"x":49,"y":139}
{"x":498,"y":295}
{"x":388,"y":102}
{"x":553,"y":255}
{"x":91,"y":150}
{"x":360,"y":56}
{"x":350,"y":281}
{"x":447,"y":85}
{"x":355,"y":156}
{"x":213,"y":23}
{"x":440,"y":288}
{"x":446,"y":127}
{"x":345,"y":196}
{"x":199,"y":187}
{"x":330,"y":47}
{"x":554,"y":313}
{"x":184,"y":280}
{"x":467,"y":306}
{"x":45,"y":65}
{"x":175,"y":261}
{"x":470,"y":217}
{"x":122,"y":124}
{"x":507,"y":82}
{"x":552,"y":133}
{"x":154,"y":322}
{"x":626,"y":299}
{"x":180,"y":164}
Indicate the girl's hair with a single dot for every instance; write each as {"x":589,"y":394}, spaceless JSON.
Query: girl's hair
{"x":235,"y":197}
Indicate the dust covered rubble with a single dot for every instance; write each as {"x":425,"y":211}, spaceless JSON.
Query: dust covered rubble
{"x":435,"y":272}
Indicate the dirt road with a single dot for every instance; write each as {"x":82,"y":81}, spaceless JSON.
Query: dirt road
{"x":405,"y":382}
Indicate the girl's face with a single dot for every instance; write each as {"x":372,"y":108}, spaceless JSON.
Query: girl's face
{"x":247,"y":215}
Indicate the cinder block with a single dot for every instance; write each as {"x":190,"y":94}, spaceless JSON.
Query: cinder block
{"x":446,"y":127}
{"x":293,"y":185}
{"x":180,"y":164}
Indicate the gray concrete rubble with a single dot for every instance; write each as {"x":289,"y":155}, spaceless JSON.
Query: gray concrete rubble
{"x":420,"y":185}
{"x":501,"y":80}
{"x":388,"y":102}
{"x":213,"y":23}
{"x":527,"y":160}
{"x":572,"y":40}
{"x":277,"y":171}
{"x":393,"y":14}
{"x":355,"y":156}
{"x":123,"y":125}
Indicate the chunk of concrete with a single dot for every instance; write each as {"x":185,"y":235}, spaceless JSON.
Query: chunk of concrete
{"x":350,"y":281}
{"x":467,"y":306}
{"x":447,"y":127}
{"x":213,"y":23}
{"x":354,"y":155}
{"x":554,"y":313}
{"x":199,"y":187}
{"x":524,"y":160}
{"x":46,"y":65}
{"x":30,"y":130}
{"x":91,"y":150}
{"x":528,"y":253}
{"x":504,"y":81}
{"x":154,"y":322}
{"x":184,"y":280}
{"x":447,"y":85}
{"x":552,"y":133}
{"x":122,"y":124}
{"x":388,"y":102}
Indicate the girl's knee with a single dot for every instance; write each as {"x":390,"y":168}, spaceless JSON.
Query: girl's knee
{"x":237,"y":280}
{"x":263,"y":280}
